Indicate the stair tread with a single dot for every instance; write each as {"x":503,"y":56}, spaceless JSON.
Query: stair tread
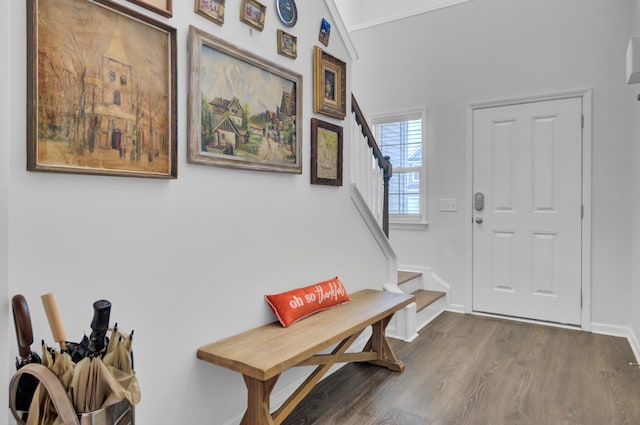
{"x":425,"y":297}
{"x":407,"y":276}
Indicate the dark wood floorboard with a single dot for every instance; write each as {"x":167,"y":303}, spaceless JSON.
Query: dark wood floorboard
{"x":472,"y":370}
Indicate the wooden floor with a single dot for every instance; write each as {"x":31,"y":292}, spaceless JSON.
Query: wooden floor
{"x":473,"y":370}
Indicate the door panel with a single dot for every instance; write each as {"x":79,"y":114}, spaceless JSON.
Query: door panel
{"x":527,"y":161}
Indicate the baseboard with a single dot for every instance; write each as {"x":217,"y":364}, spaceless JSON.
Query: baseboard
{"x":619,"y":331}
{"x":633,"y":342}
{"x":456,"y":308}
{"x":408,"y":322}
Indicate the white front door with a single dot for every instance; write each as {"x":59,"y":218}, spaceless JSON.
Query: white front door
{"x":527,"y":167}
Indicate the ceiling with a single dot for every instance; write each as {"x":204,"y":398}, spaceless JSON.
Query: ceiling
{"x":360,"y":14}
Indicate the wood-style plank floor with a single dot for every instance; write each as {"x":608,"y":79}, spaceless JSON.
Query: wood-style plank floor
{"x":473,"y":370}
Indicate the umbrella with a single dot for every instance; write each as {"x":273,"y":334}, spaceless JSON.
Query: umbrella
{"x":53,"y":317}
{"x":47,"y":354}
{"x":106,"y":376}
{"x":24,"y":333}
{"x":42,"y":411}
{"x":99,"y":327}
{"x":95,"y":374}
{"x":119,"y":361}
{"x":78,"y":350}
{"x":94,"y":387}
{"x":63,"y":368}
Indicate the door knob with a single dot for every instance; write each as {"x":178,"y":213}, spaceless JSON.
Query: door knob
{"x":479,"y":220}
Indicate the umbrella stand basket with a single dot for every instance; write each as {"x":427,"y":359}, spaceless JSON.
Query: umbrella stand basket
{"x":121,"y":413}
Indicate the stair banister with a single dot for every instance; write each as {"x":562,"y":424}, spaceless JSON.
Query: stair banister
{"x":370,"y":176}
{"x":383,"y":161}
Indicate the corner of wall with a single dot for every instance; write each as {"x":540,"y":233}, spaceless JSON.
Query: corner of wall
{"x":342,"y":29}
{"x":633,"y":342}
{"x":5,"y":123}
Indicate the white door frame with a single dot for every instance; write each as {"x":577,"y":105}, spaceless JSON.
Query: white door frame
{"x":586,"y":96}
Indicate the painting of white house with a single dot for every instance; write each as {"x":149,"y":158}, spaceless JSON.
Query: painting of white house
{"x":248,"y":109}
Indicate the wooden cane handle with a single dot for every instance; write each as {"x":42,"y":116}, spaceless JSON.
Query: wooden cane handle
{"x":22,"y":321}
{"x":55,"y":322}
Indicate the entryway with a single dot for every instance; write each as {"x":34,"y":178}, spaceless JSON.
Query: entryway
{"x":527,"y":209}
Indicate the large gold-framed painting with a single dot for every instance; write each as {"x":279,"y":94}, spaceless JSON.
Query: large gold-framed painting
{"x":244,"y":111}
{"x":101,"y":90}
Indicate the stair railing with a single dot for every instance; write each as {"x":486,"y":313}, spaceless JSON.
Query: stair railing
{"x":371,"y":171}
{"x":370,"y":175}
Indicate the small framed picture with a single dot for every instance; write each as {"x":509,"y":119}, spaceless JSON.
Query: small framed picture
{"x":325,"y":31}
{"x":329,"y":84}
{"x":211,"y":9}
{"x":287,"y":44}
{"x":253,"y":13}
{"x":162,"y":7}
{"x":326,"y":153}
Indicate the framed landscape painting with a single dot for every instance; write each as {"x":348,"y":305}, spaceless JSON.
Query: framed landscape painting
{"x":243,"y":110}
{"x":326,"y":153}
{"x":100,"y":101}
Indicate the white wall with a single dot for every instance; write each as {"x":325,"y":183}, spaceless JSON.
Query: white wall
{"x":633,"y":93}
{"x":493,"y":49}
{"x":359,"y":14}
{"x":5,"y":42}
{"x":185,"y":262}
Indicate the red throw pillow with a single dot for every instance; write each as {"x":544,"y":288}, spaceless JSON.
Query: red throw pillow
{"x":297,"y":304}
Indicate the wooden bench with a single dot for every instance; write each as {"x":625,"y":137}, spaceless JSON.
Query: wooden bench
{"x":263,"y":353}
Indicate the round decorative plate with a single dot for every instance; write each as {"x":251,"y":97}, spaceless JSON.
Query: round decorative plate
{"x":287,"y":12}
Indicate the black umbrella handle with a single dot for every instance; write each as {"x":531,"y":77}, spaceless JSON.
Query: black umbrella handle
{"x":99,"y":325}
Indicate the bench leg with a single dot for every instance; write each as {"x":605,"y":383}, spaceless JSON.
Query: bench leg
{"x":378,"y":343}
{"x":258,"y":401}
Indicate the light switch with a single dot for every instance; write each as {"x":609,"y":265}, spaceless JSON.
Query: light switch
{"x":448,"y":204}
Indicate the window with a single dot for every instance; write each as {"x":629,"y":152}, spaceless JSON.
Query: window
{"x":401,"y":137}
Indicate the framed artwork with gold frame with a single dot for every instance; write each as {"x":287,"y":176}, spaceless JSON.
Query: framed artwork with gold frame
{"x":329,"y":84}
{"x":253,"y":14}
{"x":287,"y":44}
{"x":213,"y":10}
